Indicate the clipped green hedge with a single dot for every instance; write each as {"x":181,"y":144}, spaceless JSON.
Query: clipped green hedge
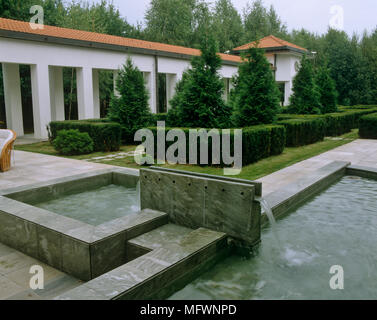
{"x":106,"y":135}
{"x":368,"y":126}
{"x":357,"y":107}
{"x":278,"y":139}
{"x":160,"y":117}
{"x":73,"y":142}
{"x":302,"y":132}
{"x":258,"y":142}
{"x":337,"y":123}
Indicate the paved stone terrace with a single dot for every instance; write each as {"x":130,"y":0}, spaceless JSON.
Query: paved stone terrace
{"x":31,"y":168}
{"x":15,"y":277}
{"x":14,"y":266}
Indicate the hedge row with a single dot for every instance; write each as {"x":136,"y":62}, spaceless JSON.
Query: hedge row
{"x":160,"y":117}
{"x":106,"y":135}
{"x":368,"y":126}
{"x":301,"y":132}
{"x":305,"y":129}
{"x":258,"y":142}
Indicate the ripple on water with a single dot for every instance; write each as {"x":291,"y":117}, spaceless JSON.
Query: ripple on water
{"x":97,"y":206}
{"x":337,"y":227}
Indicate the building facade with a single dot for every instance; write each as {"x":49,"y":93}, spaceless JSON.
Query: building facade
{"x":284,"y":58}
{"x":47,"y":51}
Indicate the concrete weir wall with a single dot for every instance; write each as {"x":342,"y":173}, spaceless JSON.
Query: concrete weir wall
{"x":194,"y":201}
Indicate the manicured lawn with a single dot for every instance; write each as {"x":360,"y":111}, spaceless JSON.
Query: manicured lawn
{"x":254,"y":171}
{"x":47,"y":148}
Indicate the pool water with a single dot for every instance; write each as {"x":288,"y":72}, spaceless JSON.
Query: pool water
{"x":97,"y":206}
{"x":337,"y":227}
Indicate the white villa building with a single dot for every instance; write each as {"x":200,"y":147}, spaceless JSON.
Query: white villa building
{"x":50,"y":49}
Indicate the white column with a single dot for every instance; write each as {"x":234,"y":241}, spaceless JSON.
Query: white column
{"x":150,"y":83}
{"x":115,"y":77}
{"x":85,"y":96}
{"x":96,"y":97}
{"x":226,"y":89}
{"x":171,"y":82}
{"x":12,"y":95}
{"x":230,"y":85}
{"x":287,"y":92}
{"x":57,"y":93}
{"x":40,"y":86}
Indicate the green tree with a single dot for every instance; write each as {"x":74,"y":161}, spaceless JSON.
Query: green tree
{"x":131,"y":108}
{"x":342,"y":63}
{"x":369,"y":52}
{"x":306,"y":96}
{"x":198,"y":101}
{"x":178,"y":22}
{"x":227,"y":25}
{"x":327,"y":91}
{"x":255,"y":97}
{"x":173,"y":118}
{"x":170,"y":21}
{"x":260,"y":22}
{"x":202,"y":24}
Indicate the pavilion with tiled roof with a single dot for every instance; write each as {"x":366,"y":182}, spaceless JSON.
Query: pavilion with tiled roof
{"x":271,"y":44}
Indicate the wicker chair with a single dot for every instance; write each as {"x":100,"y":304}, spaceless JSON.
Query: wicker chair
{"x":7,"y":138}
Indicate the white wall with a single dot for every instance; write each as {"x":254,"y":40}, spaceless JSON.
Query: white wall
{"x":286,"y":72}
{"x":46,"y":60}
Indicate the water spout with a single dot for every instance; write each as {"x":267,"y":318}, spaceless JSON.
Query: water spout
{"x":266,"y":209}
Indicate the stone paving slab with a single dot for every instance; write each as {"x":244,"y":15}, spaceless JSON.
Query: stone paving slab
{"x":165,"y":235}
{"x":15,"y":277}
{"x":34,"y":167}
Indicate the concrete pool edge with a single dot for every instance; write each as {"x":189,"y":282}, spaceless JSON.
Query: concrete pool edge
{"x":282,"y":201}
{"x":74,"y":247}
{"x":157,"y":274}
{"x":362,"y":171}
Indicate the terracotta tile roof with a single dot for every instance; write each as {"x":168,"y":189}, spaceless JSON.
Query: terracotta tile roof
{"x":64,"y":33}
{"x":269,"y":42}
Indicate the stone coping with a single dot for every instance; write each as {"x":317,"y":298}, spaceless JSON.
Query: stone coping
{"x":149,"y":274}
{"x":73,"y":228}
{"x":70,"y":178}
{"x":69,"y":245}
{"x":296,"y":193}
{"x":362,"y":171}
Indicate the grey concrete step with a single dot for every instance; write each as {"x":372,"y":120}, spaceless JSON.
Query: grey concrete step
{"x":162,"y":236}
{"x":182,"y":254}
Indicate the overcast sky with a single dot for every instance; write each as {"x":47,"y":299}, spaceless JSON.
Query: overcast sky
{"x":314,"y":15}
